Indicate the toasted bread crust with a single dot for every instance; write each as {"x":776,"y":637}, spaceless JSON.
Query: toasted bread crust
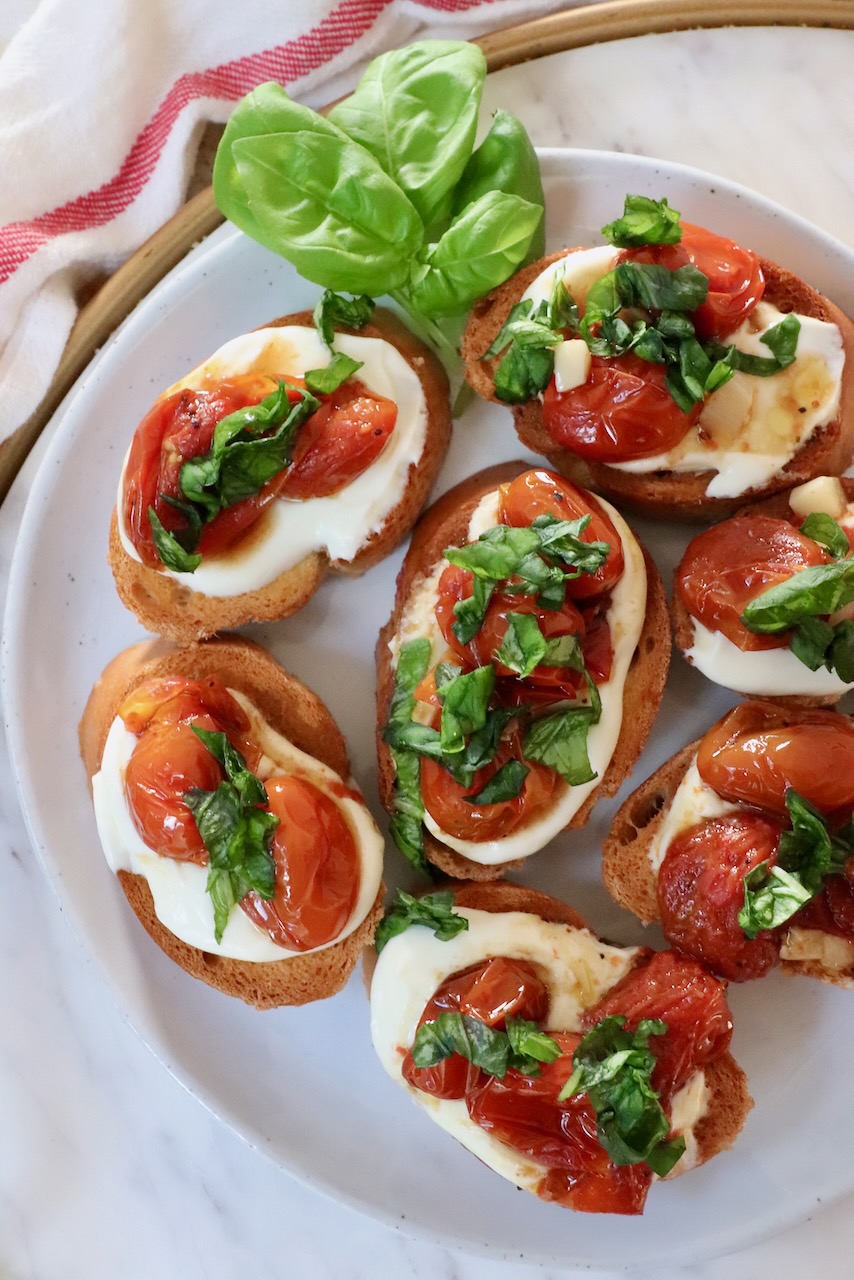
{"x":626,"y":870}
{"x":729,"y":1097}
{"x":776,"y":506}
{"x":668,"y":494}
{"x":168,"y":608}
{"x":446,"y":523}
{"x":296,"y":712}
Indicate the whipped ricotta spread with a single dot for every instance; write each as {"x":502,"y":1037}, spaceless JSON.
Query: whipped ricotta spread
{"x":578,"y":970}
{"x":340,"y":524}
{"x":751,"y":427}
{"x":181,"y":901}
{"x":625,"y":616}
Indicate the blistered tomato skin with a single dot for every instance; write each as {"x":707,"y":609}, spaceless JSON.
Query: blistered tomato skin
{"x":681,"y":992}
{"x":750,"y":757}
{"x":340,"y":441}
{"x":317,"y":867}
{"x":736,"y":283}
{"x":701,"y":891}
{"x":622,"y":412}
{"x":728,"y":565}
{"x":493,"y":991}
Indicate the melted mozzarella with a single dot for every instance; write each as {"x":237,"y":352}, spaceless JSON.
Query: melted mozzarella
{"x":341,"y":523}
{"x":181,"y":901}
{"x":766,"y":672}
{"x":625,"y":618}
{"x":693,"y":802}
{"x":768,"y":419}
{"x":578,"y":970}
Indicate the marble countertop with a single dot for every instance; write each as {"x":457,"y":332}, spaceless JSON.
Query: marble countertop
{"x":108,"y":1167}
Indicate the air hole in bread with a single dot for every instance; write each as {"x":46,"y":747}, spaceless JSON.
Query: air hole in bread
{"x":644,"y":809}
{"x":209,"y":960}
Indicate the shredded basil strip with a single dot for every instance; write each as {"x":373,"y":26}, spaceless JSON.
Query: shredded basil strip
{"x":824,"y":530}
{"x":505,"y":784}
{"x":334,"y":309}
{"x":812,"y":592}
{"x":522,"y":1047}
{"x":322,"y":382}
{"x":434,"y":911}
{"x":407,"y":802}
{"x":529,"y":337}
{"x":644,"y":221}
{"x":807,"y":854}
{"x":614,"y":1068}
{"x":171,"y":550}
{"x":236,"y":832}
{"x":782,"y":342}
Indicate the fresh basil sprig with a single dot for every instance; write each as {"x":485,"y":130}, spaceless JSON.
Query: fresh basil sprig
{"x":249,"y":447}
{"x":236,"y":831}
{"x":522,"y":1046}
{"x":614,"y":1068}
{"x":386,"y":195}
{"x":407,"y":802}
{"x":434,"y":911}
{"x":806,"y":855}
{"x":644,"y":221}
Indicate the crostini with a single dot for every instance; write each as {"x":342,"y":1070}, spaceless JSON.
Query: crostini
{"x":520,"y":671}
{"x":502,"y":1017}
{"x":760,"y":600}
{"x":739,"y":845}
{"x":671,"y":369}
{"x":292,"y":450}
{"x":223,"y":803}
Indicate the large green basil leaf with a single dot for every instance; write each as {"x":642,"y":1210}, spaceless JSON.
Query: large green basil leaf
{"x":292,"y":180}
{"x":505,"y":161}
{"x":415,"y":109}
{"x":812,"y":592}
{"x":480,"y":249}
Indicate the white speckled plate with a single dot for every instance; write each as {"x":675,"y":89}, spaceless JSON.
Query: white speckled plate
{"x":303,"y":1085}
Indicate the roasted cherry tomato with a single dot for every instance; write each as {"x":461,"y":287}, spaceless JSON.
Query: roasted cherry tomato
{"x":498,"y":989}
{"x":683,"y":994}
{"x":623,"y":411}
{"x":317,"y":867}
{"x":170,"y":759}
{"x":736,"y":282}
{"x":539,"y":493}
{"x":340,"y":441}
{"x":727,"y":566}
{"x":449,"y":806}
{"x":701,"y":891}
{"x":757,"y":751}
{"x":523,"y":1112}
{"x":832,"y":911}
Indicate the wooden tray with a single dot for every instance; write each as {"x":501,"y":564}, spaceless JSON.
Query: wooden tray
{"x":591,"y":24}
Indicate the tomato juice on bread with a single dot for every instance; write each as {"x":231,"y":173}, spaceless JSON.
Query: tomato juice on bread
{"x":224,"y":805}
{"x":672,"y":369}
{"x":740,"y":845}
{"x":290,"y":451}
{"x":520,"y":671}
{"x":485,"y":1015}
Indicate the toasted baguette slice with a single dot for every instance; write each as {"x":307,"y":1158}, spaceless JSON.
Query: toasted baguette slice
{"x":446,"y":524}
{"x":169,"y":608}
{"x":297,"y":714}
{"x":729,"y":1100}
{"x":778,"y":507}
{"x":667,"y":494}
{"x":626,"y":869}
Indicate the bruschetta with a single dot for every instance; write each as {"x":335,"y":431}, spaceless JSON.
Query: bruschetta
{"x":520,"y":671}
{"x":285,"y":454}
{"x":501,"y":1013}
{"x":671,"y":369}
{"x":761,"y":601}
{"x":224,"y":806}
{"x":739,"y":845}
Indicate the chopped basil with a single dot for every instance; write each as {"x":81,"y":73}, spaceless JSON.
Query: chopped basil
{"x":560,"y":741}
{"x":505,"y":784}
{"x":782,"y":342}
{"x":334,"y":309}
{"x":524,"y":646}
{"x":170,"y":550}
{"x":644,"y":221}
{"x":522,"y":1048}
{"x":478,"y":750}
{"x":811,"y":642}
{"x":322,"y":382}
{"x":646,"y":285}
{"x":824,"y":530}
{"x":806,"y":855}
{"x":435,"y":911}
{"x":527,"y":367}
{"x":812,"y":592}
{"x":614,"y":1068}
{"x":465,"y":705}
{"x":237,"y":834}
{"x":407,"y":803}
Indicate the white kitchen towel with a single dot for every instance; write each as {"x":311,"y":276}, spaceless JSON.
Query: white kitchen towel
{"x":101,"y":109}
